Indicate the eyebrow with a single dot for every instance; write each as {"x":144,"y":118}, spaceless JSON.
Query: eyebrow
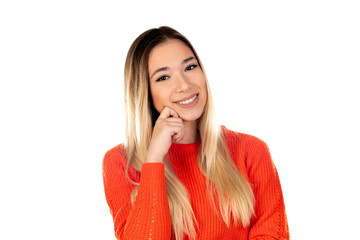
{"x":186,"y":60}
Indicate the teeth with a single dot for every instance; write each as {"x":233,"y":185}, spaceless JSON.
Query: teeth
{"x":189,"y":100}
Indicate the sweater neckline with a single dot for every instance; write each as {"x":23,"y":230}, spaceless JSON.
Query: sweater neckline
{"x":183,"y":152}
{"x":184,"y":147}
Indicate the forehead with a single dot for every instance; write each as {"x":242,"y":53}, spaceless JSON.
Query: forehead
{"x":168,"y":53}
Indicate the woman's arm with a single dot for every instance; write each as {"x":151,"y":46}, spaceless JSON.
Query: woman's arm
{"x":270,"y":221}
{"x":148,"y":217}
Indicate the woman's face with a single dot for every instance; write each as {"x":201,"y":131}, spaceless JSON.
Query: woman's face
{"x":176,"y":80}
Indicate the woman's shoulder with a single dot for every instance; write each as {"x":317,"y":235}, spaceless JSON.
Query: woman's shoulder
{"x":241,"y":139}
{"x":245,"y":149}
{"x":115,"y":155}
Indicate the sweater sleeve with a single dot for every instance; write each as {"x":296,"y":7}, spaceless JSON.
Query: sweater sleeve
{"x":148,"y":217}
{"x":270,"y":221}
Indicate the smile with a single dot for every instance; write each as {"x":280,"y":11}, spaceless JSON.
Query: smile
{"x":189,"y":100}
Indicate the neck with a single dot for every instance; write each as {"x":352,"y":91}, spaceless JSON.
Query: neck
{"x":190,"y":134}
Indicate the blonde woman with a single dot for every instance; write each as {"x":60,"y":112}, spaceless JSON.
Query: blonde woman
{"x":178,"y":175}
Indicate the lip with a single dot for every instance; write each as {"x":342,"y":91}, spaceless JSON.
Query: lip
{"x":190,"y":105}
{"x":187,"y":98}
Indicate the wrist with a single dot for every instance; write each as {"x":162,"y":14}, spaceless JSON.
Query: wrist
{"x":153,"y":159}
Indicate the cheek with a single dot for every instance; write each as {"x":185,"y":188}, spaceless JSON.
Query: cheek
{"x":205,"y":94}
{"x":202,"y":84}
{"x":204,"y":89}
{"x":158,"y":99}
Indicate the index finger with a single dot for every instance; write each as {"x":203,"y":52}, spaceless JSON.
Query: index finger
{"x":167,"y":112}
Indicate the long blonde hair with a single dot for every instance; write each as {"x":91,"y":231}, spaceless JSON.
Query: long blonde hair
{"x":236,"y":200}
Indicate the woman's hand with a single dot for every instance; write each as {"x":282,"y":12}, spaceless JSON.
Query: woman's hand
{"x":168,"y":128}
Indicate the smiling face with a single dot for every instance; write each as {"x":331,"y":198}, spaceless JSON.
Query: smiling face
{"x":176,"y":80}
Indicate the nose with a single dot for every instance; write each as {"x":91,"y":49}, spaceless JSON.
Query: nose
{"x":182,"y":83}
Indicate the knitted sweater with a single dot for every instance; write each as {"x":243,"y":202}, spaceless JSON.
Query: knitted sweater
{"x":149,"y":218}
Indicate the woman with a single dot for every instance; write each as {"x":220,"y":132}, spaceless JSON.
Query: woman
{"x":179,"y":176}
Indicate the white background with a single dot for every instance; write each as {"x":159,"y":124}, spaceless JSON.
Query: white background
{"x":284,"y":71}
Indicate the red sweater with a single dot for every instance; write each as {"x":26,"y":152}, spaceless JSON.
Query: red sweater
{"x":149,"y":218}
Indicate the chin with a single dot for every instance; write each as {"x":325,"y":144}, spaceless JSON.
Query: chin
{"x":190,"y":117}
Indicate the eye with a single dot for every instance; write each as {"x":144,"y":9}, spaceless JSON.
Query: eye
{"x":191,"y":67}
{"x":162,"y":78}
